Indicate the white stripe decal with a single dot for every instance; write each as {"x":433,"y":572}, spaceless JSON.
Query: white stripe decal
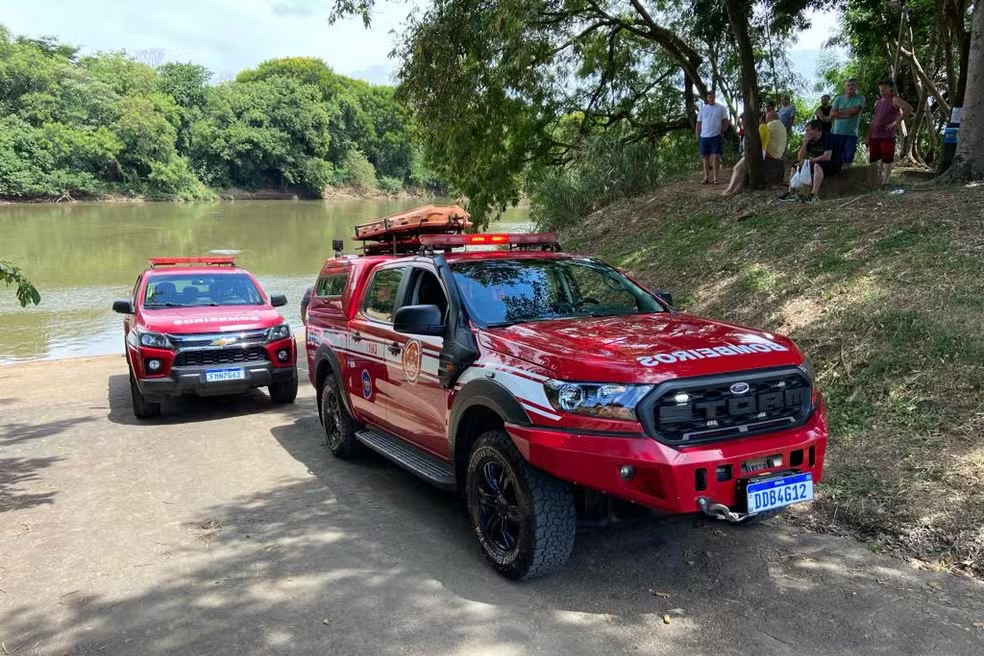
{"x":548,"y":415}
{"x":522,"y":388}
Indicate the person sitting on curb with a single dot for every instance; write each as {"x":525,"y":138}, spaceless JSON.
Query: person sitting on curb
{"x":773,"y":137}
{"x":818,"y":159}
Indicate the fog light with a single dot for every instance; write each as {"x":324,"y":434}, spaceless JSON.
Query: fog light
{"x":153,"y":365}
{"x":283,"y":355}
{"x":626,"y":472}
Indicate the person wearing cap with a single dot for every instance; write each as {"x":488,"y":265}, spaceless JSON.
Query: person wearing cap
{"x":890,"y":109}
{"x":846,"y":113}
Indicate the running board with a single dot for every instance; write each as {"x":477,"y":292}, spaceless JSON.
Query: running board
{"x":415,"y":460}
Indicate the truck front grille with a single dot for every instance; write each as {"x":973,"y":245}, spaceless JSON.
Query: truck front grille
{"x":220,"y":356}
{"x":696,"y":410}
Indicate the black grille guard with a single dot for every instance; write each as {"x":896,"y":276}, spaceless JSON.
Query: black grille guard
{"x":745,"y":425}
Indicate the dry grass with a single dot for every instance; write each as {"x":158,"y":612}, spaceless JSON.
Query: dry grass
{"x":886,"y":293}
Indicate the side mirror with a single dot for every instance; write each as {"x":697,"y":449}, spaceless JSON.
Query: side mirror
{"x":419,"y":320}
{"x":123,"y":307}
{"x":278,"y":300}
{"x":665,"y":296}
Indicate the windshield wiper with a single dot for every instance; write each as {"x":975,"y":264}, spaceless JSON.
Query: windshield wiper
{"x":151,"y":306}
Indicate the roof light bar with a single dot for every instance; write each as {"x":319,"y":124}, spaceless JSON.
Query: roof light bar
{"x":484,"y":239}
{"x":213,"y":260}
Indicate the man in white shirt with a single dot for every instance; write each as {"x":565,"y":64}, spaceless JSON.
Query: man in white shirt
{"x":712,"y":120}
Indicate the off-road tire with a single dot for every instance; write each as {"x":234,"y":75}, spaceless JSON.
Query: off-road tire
{"x":142,"y":408}
{"x":547,"y":515}
{"x":342,"y":443}
{"x":284,"y":392}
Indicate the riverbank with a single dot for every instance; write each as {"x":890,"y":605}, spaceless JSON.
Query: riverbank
{"x":885,"y":293}
{"x":234,"y":193}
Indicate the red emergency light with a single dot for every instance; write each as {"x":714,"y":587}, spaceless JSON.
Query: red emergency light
{"x":214,"y":260}
{"x":517,"y":239}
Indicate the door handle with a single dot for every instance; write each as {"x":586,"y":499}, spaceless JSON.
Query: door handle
{"x":356,"y":337}
{"x":395,"y":348}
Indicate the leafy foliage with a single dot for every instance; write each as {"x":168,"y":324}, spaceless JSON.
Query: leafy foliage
{"x":108,"y":123}
{"x":26,"y":293}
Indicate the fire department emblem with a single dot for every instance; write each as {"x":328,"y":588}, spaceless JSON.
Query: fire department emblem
{"x":411,"y":360}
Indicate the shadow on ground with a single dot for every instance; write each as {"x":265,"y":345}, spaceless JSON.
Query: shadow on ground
{"x":359,"y":557}
{"x":186,"y":410}
{"x":18,"y":477}
{"x":17,"y":432}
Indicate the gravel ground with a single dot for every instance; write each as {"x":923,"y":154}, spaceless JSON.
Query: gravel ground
{"x":226,"y":528}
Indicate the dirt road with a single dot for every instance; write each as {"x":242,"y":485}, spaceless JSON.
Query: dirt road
{"x":226,"y":528}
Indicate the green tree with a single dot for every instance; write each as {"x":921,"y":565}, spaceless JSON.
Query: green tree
{"x":263,"y":132}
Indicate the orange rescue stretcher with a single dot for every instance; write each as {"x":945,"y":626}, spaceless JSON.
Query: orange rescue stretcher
{"x":400,"y":233}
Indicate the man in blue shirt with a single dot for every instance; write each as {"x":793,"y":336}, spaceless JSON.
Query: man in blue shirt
{"x":787,"y":114}
{"x":846,"y":114}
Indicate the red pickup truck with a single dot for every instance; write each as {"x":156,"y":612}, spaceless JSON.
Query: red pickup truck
{"x":200,"y":326}
{"x":527,"y":378}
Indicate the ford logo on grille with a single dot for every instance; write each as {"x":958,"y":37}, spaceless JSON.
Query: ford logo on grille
{"x":739,"y":388}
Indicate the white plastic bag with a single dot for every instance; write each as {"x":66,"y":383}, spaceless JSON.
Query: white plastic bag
{"x":803,"y":176}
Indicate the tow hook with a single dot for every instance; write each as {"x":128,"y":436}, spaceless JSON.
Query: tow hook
{"x":720,"y":511}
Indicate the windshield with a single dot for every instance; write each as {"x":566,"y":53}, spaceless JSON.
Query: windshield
{"x":502,"y":292}
{"x":196,"y":290}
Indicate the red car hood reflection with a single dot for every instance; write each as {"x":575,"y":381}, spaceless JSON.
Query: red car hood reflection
{"x":210,"y":319}
{"x":646,"y":348}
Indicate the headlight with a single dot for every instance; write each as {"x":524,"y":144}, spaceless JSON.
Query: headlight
{"x":281,"y":331}
{"x":155,"y":340}
{"x":611,"y":401}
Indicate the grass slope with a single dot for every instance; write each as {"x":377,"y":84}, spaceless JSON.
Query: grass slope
{"x":886,"y":294}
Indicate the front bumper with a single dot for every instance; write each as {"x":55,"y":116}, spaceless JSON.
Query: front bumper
{"x":190,"y":381}
{"x":674,"y":479}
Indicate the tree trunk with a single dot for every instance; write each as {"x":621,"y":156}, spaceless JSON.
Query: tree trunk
{"x":738,"y":18}
{"x":968,"y":163}
{"x":689,"y":100}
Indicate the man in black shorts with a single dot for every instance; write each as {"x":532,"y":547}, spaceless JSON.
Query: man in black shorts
{"x":818,"y":159}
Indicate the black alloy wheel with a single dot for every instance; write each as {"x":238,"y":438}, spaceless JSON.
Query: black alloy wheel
{"x":523,"y":517}
{"x":338,"y":424}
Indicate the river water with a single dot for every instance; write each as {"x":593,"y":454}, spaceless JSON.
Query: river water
{"x":82,"y":256}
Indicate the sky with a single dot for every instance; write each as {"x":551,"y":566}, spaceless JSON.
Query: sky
{"x":227,"y":36}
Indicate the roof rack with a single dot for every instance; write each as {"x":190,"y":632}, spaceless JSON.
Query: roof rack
{"x":400,"y":233}
{"x":212,"y":260}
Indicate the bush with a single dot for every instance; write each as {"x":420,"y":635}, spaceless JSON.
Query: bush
{"x":390,"y":184}
{"x":317,"y":175}
{"x":605,"y":168}
{"x":358,"y":171}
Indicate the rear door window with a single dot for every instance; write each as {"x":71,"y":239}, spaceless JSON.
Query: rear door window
{"x":383,"y":289}
{"x":331,"y":285}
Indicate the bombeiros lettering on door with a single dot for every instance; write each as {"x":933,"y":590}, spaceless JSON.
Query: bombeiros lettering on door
{"x":670,"y":357}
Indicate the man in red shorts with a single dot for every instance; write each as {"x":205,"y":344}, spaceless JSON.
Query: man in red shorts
{"x":889,"y":111}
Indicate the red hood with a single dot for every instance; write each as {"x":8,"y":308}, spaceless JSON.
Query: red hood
{"x":640,"y":348}
{"x":183,"y":321}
